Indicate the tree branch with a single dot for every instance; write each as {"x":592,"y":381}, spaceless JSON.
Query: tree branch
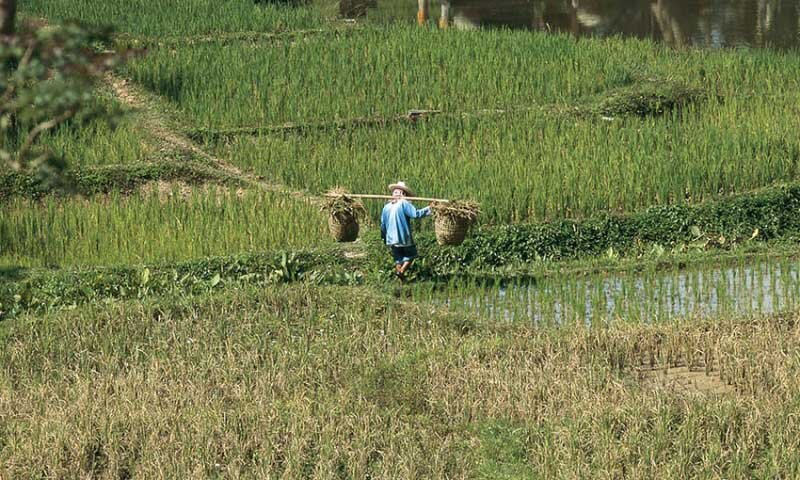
{"x":8,"y":14}
{"x":40,"y":129}
{"x":9,"y":93}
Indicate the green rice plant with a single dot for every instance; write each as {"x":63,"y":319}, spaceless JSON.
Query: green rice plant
{"x":533,"y":167}
{"x":380,"y":72}
{"x":99,"y":144}
{"x":145,"y":228}
{"x":385,"y":72}
{"x":173,"y":17}
{"x":112,"y":139}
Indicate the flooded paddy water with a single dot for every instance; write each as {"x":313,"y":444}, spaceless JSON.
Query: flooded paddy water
{"x":696,"y":23}
{"x":765,"y":287}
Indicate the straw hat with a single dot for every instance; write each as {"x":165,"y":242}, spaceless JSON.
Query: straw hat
{"x":402,"y":186}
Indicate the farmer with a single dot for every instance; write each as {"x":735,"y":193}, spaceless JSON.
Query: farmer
{"x":396,"y":229}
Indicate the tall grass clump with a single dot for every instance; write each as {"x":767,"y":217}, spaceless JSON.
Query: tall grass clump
{"x":144,"y":228}
{"x":175,"y":17}
{"x":98,"y":144}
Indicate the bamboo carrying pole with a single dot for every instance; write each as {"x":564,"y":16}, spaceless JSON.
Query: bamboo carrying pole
{"x":386,"y":197}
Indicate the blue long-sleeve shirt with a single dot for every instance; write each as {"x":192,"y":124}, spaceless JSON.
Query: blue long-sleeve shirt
{"x":395,"y":226}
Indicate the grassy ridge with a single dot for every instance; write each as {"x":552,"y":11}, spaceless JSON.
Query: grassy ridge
{"x":341,"y":382}
{"x":24,"y":290}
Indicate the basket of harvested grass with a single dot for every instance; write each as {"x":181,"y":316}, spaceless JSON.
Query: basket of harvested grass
{"x":451,"y":221}
{"x":343,"y":214}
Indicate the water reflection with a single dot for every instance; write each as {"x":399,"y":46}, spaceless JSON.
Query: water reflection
{"x":763,"y":288}
{"x":706,"y":23}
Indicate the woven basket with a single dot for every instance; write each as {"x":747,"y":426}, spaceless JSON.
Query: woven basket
{"x":343,"y":227}
{"x":450,"y":229}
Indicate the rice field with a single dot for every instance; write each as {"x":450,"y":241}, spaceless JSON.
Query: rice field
{"x":530,"y":167}
{"x":538,"y":163}
{"x":171,"y":226}
{"x":174,"y":17}
{"x":380,"y":72}
{"x":391,"y":70}
{"x":328,"y":382}
{"x":685,"y":373}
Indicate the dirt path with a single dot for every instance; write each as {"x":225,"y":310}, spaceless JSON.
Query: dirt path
{"x":169,"y":139}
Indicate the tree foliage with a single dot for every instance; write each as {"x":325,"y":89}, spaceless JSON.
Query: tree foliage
{"x":8,"y":13}
{"x":47,"y":80}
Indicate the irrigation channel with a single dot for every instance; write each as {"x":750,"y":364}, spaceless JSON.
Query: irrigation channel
{"x":765,"y":287}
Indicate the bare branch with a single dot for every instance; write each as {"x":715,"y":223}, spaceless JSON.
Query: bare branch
{"x":40,"y":129}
